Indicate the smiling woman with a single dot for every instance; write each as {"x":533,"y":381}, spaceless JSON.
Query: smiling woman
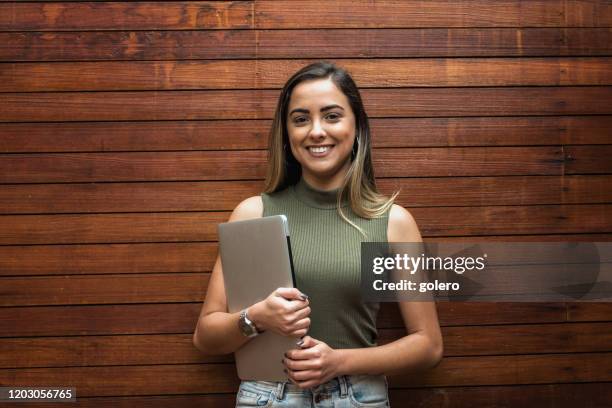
{"x":321,"y":178}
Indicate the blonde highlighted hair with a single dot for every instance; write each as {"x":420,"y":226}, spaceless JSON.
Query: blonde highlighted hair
{"x":359,"y":184}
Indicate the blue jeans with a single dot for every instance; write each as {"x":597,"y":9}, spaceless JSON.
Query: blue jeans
{"x":352,"y":391}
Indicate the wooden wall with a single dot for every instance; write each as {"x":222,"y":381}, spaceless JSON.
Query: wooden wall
{"x":130,"y":129}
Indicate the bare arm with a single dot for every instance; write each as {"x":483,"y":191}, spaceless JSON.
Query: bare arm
{"x":217,"y":330}
{"x":284,"y":311}
{"x":422,"y":347}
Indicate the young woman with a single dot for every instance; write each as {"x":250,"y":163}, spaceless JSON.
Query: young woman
{"x":321,"y":177}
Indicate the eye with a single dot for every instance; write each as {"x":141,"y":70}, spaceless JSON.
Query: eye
{"x":299,"y":119}
{"x":333,"y":116}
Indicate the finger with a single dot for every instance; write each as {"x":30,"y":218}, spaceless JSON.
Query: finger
{"x":294,"y":306}
{"x":304,"y":354}
{"x":300,"y":314}
{"x":300,"y":365}
{"x":290,"y":294}
{"x":299,"y":325}
{"x":308,"y":342}
{"x":305,"y":375}
{"x":307,"y":384}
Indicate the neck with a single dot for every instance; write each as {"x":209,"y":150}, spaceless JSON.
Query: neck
{"x":326,"y":183}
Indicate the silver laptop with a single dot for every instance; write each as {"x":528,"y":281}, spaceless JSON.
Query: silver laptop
{"x":256,"y":259}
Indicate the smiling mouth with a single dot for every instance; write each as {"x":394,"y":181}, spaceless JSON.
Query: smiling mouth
{"x":320,"y":149}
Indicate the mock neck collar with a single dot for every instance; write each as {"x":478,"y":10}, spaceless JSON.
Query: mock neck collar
{"x":314,"y":197}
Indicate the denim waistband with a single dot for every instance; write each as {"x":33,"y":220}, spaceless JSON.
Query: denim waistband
{"x":338,"y":383}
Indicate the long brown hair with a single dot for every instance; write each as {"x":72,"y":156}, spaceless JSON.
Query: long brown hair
{"x":359,"y":184}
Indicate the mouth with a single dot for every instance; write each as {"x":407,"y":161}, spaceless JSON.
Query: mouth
{"x":320,"y":150}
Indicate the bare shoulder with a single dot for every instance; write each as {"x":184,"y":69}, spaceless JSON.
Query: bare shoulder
{"x":402,"y":226}
{"x":247,"y":209}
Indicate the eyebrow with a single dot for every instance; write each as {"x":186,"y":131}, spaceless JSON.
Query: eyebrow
{"x":323,"y":109}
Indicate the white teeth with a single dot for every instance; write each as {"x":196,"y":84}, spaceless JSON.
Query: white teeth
{"x":321,"y":149}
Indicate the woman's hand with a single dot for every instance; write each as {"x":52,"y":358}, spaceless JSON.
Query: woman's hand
{"x":285,"y":311}
{"x":316,"y":363}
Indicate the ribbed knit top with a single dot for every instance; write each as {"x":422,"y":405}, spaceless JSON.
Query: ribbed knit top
{"x":327,"y":255}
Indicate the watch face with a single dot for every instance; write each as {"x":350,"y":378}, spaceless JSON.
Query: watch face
{"x":246,"y":328}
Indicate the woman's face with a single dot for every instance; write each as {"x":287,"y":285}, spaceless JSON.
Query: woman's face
{"x":321,"y":127}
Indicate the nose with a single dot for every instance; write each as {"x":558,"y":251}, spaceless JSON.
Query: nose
{"x":317,"y":131}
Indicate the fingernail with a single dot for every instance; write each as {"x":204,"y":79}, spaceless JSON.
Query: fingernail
{"x":304,"y":297}
{"x":300,"y":342}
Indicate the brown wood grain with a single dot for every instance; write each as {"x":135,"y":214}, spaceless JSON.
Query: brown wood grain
{"x":130,"y":45}
{"x":99,"y":319}
{"x":471,"y":13}
{"x":552,"y":395}
{"x":253,"y":74}
{"x":198,"y":226}
{"x":251,"y":165}
{"x":586,"y":312}
{"x":260,"y":104}
{"x":61,"y":16}
{"x":283,"y":14}
{"x":523,"y":369}
{"x":514,"y":219}
{"x":107,"y":289}
{"x":23,"y":352}
{"x":107,"y":258}
{"x":222,"y":195}
{"x":588,"y":159}
{"x":174,"y":166}
{"x":174,"y":318}
{"x":208,"y":378}
{"x":322,"y":43}
{"x":253,"y":134}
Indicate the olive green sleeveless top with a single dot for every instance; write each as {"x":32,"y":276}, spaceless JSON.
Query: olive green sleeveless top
{"x":326,"y":257}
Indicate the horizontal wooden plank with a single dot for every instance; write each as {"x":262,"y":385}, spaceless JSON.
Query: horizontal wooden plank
{"x":32,"y":260}
{"x":199,"y":378}
{"x":106,"y":289}
{"x":174,"y":318}
{"x":253,"y":134}
{"x":111,"y":228}
{"x":520,"y":339}
{"x":578,"y":312}
{"x":99,"y":319}
{"x":196,"y":226}
{"x":214,"y":196}
{"x":322,"y":43}
{"x":176,"y":166}
{"x":282,"y":14}
{"x":514,"y":219}
{"x":107,"y":258}
{"x":251,"y":165}
{"x":437,"y":13}
{"x":178,"y":348}
{"x":253,"y":74}
{"x":527,"y":369}
{"x":554,"y":395}
{"x":588,"y":159}
{"x":61,"y":16}
{"x":260,"y":104}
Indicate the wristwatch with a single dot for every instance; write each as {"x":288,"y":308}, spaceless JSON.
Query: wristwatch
{"x":247,"y":327}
